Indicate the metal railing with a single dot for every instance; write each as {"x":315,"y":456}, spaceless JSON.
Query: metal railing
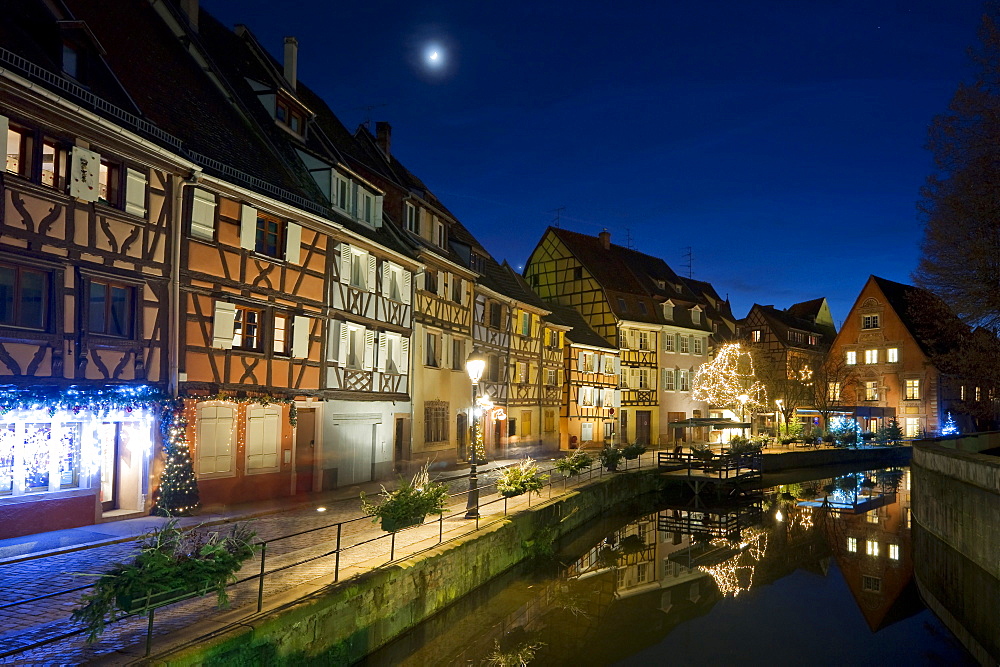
{"x":557,"y":484}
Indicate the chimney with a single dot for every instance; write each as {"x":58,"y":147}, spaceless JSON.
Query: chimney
{"x":291,"y":60}
{"x":605,"y":237}
{"x":190,"y":9}
{"x":383,"y":136}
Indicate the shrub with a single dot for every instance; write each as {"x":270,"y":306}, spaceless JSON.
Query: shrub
{"x":633,"y":451}
{"x":521,"y":478}
{"x":574,"y":463}
{"x":409,"y":503}
{"x":610,"y":457}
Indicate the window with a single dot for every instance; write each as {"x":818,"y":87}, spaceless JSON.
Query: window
{"x":279,"y":335}
{"x":978,"y":393}
{"x":796,"y":336}
{"x":586,"y":397}
{"x":913,"y":390}
{"x":852,"y":544}
{"x":643,"y":382}
{"x":871,"y":390}
{"x":366,"y":207}
{"x":393,"y":286}
{"x":813,"y":340}
{"x":457,"y":354}
{"x":832,"y":391}
{"x":19,"y":153}
{"x":869,"y":322}
{"x":892,"y":355}
{"x":608,"y":367}
{"x":550,"y":421}
{"x":641,"y":573}
{"x":495,"y":310}
{"x":53,"y":164}
{"x":356,"y":349}
{"x":668,"y":311}
{"x":578,"y":273}
{"x":587,"y":364}
{"x":642,"y":308}
{"x":216,"y":428}
{"x":607,"y":398}
{"x":894,"y":551}
{"x":268,"y":239}
{"x":668,"y":342}
{"x":696,"y":316}
{"x":871,"y":584}
{"x":262,"y":438}
{"x":493,"y":368}
{"x":109,"y":184}
{"x":436,"y":421}
{"x":871,"y":356}
{"x":525,"y":423}
{"x":411,"y":218}
{"x":685,"y":344}
{"x":246,"y":329}
{"x":525,"y":324}
{"x":699,"y":344}
{"x":342,"y":193}
{"x":683,"y":380}
{"x":622,"y":305}
{"x":511,"y":426}
{"x":432,"y":355}
{"x":551,"y":377}
{"x":872,"y":516}
{"x":24,"y":297}
{"x":668,"y":379}
{"x":755,"y":336}
{"x":911,"y":427}
{"x":457,"y":289}
{"x":110,"y":309}
{"x":554,"y":340}
{"x":871,"y":547}
{"x":851,"y":357}
{"x":361,"y":270}
{"x":394,"y":353}
{"x":291,"y":118}
{"x":644,"y":341}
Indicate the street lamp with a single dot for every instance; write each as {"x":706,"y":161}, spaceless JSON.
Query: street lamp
{"x":474,"y":366}
{"x":780,"y":404}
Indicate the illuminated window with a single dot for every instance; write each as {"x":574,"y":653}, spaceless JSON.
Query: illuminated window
{"x":585,"y":397}
{"x":961,"y":392}
{"x":279,"y":335}
{"x":609,"y":365}
{"x":643,"y":378}
{"x":683,"y":380}
{"x":644,"y":341}
{"x":852,"y":544}
{"x":110,"y":183}
{"x":110,"y":309}
{"x":871,"y":390}
{"x":871,"y":547}
{"x":851,"y":357}
{"x":894,"y":551}
{"x":979,"y":394}
{"x":871,"y":516}
{"x":832,"y":391}
{"x":587,"y":363}
{"x":18,"y":151}
{"x":892,"y":355}
{"x":699,"y":344}
{"x":550,"y":377}
{"x":685,"y":344}
{"x":607,"y":398}
{"x":912,"y":390}
{"x":668,"y":342}
{"x":813,"y":340}
{"x":912,"y":427}
{"x":871,"y":356}
{"x":24,"y":297}
{"x":668,"y":379}
{"x":869,"y":322}
{"x":246,"y":329}
{"x":53,"y":164}
{"x":755,"y":336}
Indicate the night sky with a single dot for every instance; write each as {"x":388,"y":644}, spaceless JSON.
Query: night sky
{"x":782,"y":140}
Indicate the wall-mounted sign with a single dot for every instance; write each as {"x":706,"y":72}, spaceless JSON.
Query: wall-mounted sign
{"x":499,"y":414}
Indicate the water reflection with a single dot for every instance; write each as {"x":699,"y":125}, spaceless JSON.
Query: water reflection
{"x":645,"y":588}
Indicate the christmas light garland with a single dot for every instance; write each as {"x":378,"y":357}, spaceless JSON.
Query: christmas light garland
{"x":78,"y":398}
{"x":730,"y":381}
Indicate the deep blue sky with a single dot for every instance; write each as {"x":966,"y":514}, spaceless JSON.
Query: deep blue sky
{"x":782,"y":140}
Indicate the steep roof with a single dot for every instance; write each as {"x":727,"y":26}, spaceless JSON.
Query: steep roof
{"x":781,"y":321}
{"x":934,"y":334}
{"x":581,"y":332}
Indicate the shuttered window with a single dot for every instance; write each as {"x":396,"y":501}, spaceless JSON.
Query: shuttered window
{"x":214,"y":439}
{"x":263,"y":437}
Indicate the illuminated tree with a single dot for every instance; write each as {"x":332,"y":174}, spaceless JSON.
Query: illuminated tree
{"x":730,"y":382}
{"x":178,"y":491}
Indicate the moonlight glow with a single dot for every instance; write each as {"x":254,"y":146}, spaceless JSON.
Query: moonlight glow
{"x":434,"y":56}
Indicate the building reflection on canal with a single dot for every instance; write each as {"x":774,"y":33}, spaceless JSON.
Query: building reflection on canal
{"x":779,"y":576}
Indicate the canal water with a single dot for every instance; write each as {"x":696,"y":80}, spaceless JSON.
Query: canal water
{"x":812,"y":572}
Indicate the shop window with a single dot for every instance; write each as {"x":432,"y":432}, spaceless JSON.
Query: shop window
{"x":110,"y":309}
{"x":24,"y":297}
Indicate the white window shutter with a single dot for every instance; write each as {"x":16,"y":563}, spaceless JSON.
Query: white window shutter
{"x":371,"y":272}
{"x":618,"y":398}
{"x":4,"y":126}
{"x":248,"y":227}
{"x":135,"y":192}
{"x":383,"y":350}
{"x":461,"y":289}
{"x":579,"y":362}
{"x":377,"y":220}
{"x":293,"y":242}
{"x":203,"y":214}
{"x":404,"y":355}
{"x":300,"y":336}
{"x":446,"y":350}
{"x":343,"y":335}
{"x":345,"y":263}
{"x":422,"y":280}
{"x":85,"y":167}
{"x":223,"y":325}
{"x":407,"y":283}
{"x":369,"y":358}
{"x":580,"y":395}
{"x":599,"y":363}
{"x":442,"y":286}
{"x":386,"y":277}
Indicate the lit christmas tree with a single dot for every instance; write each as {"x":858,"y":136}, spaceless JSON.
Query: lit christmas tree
{"x":729,"y":381}
{"x":178,"y":492}
{"x":950,"y":427}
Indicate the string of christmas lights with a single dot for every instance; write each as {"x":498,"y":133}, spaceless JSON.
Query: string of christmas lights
{"x":178,"y":490}
{"x":729,"y":381}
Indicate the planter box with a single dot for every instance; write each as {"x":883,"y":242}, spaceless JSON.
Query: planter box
{"x":394,"y":525}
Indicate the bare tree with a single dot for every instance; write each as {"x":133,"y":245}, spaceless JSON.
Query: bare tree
{"x":835,"y":383}
{"x":960,"y":253}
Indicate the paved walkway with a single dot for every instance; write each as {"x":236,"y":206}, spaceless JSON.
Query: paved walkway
{"x":365,"y":546}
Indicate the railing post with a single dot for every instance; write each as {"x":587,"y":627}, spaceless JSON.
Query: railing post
{"x":440,"y":528}
{"x":336,"y":563}
{"x":392,"y":547}
{"x":260,"y":586}
{"x":149,"y":631}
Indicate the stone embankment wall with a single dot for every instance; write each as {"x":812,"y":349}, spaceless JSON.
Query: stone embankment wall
{"x":342,"y":624}
{"x":956,"y":502}
{"x":816,"y":458}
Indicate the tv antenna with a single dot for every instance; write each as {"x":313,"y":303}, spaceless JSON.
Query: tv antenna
{"x":558,"y":212}
{"x":368,"y":108}
{"x":689,"y":260}
{"x":628,"y":238}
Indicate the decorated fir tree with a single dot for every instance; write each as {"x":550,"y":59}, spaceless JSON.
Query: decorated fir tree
{"x":178,"y":492}
{"x":950,"y":427}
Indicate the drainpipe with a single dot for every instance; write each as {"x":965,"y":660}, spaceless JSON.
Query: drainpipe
{"x":173,"y":374}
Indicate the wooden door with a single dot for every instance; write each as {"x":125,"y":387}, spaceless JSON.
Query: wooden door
{"x":642,"y":427}
{"x":305,"y":450}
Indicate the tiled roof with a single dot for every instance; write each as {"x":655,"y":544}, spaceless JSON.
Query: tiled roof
{"x":781,"y":321}
{"x":904,"y":299}
{"x":581,"y":332}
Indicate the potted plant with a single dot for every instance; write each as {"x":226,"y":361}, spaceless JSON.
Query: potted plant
{"x":610,"y":457}
{"x":171,"y":565}
{"x":408,"y":504}
{"x":525,"y":477}
{"x":574,"y":463}
{"x":633,"y":451}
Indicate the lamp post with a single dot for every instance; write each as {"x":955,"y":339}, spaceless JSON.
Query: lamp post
{"x":743,"y":398}
{"x":474,"y":365}
{"x":779,"y":414}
